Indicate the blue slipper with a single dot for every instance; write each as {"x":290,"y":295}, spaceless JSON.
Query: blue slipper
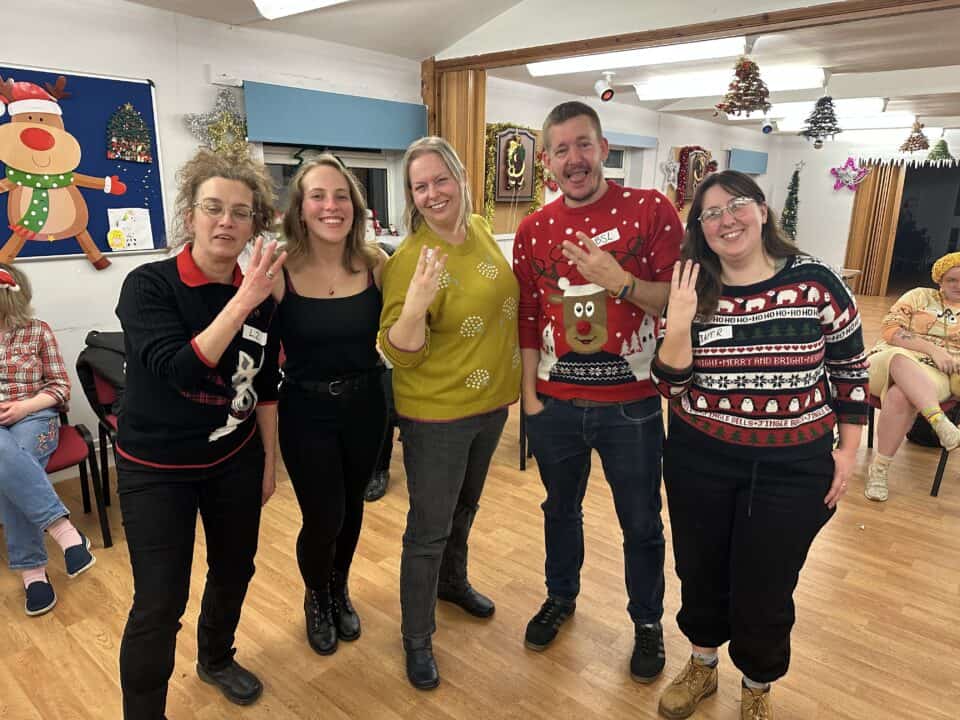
{"x":78,"y":557}
{"x":40,"y":597}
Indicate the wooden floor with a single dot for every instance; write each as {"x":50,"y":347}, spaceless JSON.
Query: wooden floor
{"x":877,"y":635}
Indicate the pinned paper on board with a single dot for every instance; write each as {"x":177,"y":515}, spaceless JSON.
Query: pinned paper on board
{"x":129,"y":229}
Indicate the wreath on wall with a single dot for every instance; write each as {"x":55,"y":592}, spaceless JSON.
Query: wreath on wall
{"x":490,"y":171}
{"x":683,"y":171}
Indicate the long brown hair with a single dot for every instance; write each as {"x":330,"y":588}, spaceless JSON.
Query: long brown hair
{"x":695,"y":247}
{"x":15,"y":310}
{"x":207,"y":164}
{"x":295,"y":229}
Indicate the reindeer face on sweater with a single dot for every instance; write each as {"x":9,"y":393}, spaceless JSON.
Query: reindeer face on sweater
{"x":584,"y":316}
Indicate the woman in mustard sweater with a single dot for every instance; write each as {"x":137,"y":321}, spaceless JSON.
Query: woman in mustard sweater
{"x":449,"y":326}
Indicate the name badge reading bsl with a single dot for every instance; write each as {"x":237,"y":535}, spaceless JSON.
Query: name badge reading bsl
{"x":724,"y":332}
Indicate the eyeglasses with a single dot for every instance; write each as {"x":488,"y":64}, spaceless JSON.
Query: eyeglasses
{"x":735,"y":206}
{"x":215,"y":209}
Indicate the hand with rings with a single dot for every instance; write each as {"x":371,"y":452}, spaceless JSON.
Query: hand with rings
{"x":259,"y":279}
{"x":269,"y":275}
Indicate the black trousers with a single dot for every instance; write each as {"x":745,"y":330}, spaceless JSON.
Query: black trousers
{"x":330,"y":446}
{"x":160,"y":516}
{"x":739,"y":541}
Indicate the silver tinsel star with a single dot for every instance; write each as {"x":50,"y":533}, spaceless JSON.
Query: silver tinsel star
{"x":670,"y":169}
{"x":223,"y":128}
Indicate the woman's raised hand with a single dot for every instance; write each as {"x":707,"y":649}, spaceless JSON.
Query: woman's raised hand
{"x":262,"y":274}
{"x":682,"y":304}
{"x":425,"y":282}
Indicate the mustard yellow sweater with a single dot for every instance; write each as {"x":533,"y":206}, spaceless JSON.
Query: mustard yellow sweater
{"x":470,"y":362}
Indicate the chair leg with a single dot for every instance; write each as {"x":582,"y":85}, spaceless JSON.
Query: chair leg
{"x":84,"y":488}
{"x":104,"y":464}
{"x":944,"y":454}
{"x":98,"y":494}
{"x":870,"y":412}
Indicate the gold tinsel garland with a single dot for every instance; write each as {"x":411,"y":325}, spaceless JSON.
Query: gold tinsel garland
{"x":490,"y":171}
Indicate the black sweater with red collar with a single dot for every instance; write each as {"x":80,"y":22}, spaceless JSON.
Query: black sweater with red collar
{"x":179,"y":410}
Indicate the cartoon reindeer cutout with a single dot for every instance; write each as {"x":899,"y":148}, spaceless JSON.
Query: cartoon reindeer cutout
{"x":585,"y":332}
{"x":44,"y":201}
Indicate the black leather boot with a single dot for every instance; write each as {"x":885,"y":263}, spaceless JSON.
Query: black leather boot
{"x":421,"y":667}
{"x":465,"y":596}
{"x":345,"y":618}
{"x":237,"y":684}
{"x":321,"y":629}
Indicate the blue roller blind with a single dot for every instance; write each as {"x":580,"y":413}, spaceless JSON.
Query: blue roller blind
{"x":295,"y":116}
{"x":748,"y":161}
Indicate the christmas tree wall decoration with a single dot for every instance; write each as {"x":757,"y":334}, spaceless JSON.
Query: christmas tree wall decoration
{"x":128,"y":137}
{"x":788,"y":218}
{"x":940,"y":151}
{"x":917,"y":140}
{"x":747,"y":92}
{"x":822,"y":122}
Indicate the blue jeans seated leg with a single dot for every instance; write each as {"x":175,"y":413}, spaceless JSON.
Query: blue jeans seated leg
{"x":628,"y":438}
{"x":28,"y":503}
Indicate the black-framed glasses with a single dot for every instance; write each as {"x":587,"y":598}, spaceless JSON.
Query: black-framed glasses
{"x":215,"y":209}
{"x":735,"y":207}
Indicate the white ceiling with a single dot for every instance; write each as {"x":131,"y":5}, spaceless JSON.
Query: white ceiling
{"x":853,"y":53}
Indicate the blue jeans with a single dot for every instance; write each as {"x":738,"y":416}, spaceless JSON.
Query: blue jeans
{"x":628,"y":437}
{"x":28,"y":503}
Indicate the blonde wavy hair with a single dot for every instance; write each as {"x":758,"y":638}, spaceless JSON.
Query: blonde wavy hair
{"x":295,"y":229}
{"x":207,"y":164}
{"x":15,"y":310}
{"x":411,"y":216}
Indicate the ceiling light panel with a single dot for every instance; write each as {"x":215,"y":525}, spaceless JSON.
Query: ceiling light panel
{"x":715,"y":82}
{"x":663,"y":55}
{"x":273,"y":9}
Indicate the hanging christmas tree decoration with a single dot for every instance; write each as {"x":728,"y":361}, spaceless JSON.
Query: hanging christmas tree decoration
{"x":224,"y":129}
{"x":940,"y":151}
{"x":822,"y":122}
{"x":128,"y":137}
{"x":788,"y":218}
{"x":917,"y":140}
{"x":849,"y":174}
{"x":747,"y":92}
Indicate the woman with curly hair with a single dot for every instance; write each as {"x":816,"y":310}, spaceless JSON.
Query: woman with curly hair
{"x":198,"y":426}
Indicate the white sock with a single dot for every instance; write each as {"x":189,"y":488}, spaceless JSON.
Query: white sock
{"x":708,"y":659}
{"x":753,"y":685}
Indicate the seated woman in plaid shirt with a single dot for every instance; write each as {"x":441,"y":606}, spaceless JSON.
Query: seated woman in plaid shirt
{"x":33,"y":388}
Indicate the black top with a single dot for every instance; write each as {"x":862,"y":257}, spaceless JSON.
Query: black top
{"x":179,"y":410}
{"x":329,"y":338}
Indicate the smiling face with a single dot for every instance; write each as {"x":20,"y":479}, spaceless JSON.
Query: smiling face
{"x":950,"y":286}
{"x":327,"y":208}
{"x":575,"y":155}
{"x":736,"y":237}
{"x":220,"y":237}
{"x":435,"y":191}
{"x":37,"y":143}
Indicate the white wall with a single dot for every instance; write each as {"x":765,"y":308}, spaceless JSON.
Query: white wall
{"x":117,"y":38}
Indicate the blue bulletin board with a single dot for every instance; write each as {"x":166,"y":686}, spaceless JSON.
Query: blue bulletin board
{"x":118,"y":176}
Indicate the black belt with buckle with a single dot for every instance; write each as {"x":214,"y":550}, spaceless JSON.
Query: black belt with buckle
{"x":336,"y":386}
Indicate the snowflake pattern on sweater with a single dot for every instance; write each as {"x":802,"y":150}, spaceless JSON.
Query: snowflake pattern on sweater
{"x":777,"y":366}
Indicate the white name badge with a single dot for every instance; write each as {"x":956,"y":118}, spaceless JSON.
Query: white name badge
{"x":605,"y":238}
{"x":724,"y":332}
{"x":251,"y":333}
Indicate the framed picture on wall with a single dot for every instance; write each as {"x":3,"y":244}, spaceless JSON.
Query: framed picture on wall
{"x":516,"y":157}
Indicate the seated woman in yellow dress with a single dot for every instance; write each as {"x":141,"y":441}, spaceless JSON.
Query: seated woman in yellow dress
{"x":914,"y":366}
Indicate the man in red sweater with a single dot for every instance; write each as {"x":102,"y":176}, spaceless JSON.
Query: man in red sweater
{"x":594,"y":269}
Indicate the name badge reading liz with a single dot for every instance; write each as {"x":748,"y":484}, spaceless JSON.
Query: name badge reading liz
{"x":724,"y":332}
{"x":257,"y":336}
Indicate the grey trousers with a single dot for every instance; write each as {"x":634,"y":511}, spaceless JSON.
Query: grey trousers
{"x":446,"y":465}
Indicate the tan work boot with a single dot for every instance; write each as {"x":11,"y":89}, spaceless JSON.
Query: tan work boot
{"x":695,"y":682}
{"x":755,"y":704}
{"x":876,"y":486}
{"x":947,"y":433}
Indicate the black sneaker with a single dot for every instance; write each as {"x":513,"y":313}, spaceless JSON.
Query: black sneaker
{"x":238,"y":685}
{"x":77,"y":558}
{"x":377,"y":487}
{"x":544,"y":626}
{"x":648,"y":655}
{"x":39,"y":597}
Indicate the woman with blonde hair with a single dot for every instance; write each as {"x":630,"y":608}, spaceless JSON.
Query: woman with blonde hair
{"x":198,"y":426}
{"x":914,"y":367}
{"x":332,"y":408}
{"x":33,"y":388}
{"x":449,"y":326}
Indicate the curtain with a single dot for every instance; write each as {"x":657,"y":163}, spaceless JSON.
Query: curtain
{"x":873,"y":226}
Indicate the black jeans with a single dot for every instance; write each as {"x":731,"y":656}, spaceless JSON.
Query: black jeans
{"x":739,"y":549}
{"x":446,"y":465}
{"x":329,"y":446}
{"x":386,"y":450}
{"x":627,"y":437}
{"x":160,"y":516}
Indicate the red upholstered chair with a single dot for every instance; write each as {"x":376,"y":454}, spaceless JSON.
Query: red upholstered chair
{"x":951,"y":407}
{"x":106,"y":395}
{"x":76,"y":448}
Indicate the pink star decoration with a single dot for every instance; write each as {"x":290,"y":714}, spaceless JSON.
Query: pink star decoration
{"x":848,"y":174}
